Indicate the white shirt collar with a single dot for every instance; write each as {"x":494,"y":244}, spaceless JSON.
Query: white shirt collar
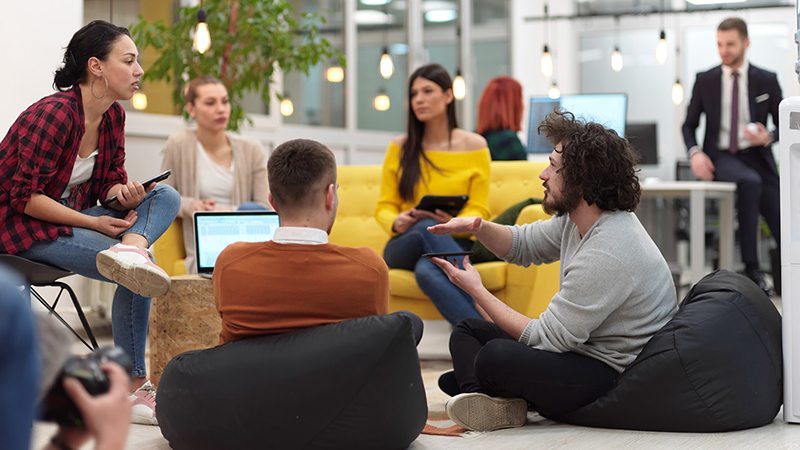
{"x":743,"y":69}
{"x":300,"y":235}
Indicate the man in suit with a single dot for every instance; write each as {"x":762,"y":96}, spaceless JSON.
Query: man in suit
{"x":736,"y":98}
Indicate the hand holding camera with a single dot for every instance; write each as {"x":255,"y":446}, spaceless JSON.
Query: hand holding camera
{"x":90,"y":398}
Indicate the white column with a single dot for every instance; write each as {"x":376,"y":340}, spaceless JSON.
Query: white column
{"x":33,"y":36}
{"x":351,"y":74}
{"x":467,"y":69}
{"x":416,"y":51}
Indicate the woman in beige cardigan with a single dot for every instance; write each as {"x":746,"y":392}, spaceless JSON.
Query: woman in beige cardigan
{"x":211,"y":169}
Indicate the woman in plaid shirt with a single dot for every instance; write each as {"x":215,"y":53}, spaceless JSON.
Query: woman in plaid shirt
{"x":62,"y":155}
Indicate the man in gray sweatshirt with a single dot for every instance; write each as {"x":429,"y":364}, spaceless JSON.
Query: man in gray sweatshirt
{"x":616,"y":289}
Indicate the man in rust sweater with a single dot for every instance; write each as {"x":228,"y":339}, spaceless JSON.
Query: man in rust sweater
{"x":299,"y":279}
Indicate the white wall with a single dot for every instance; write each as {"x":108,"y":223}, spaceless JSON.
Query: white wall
{"x":33,"y":35}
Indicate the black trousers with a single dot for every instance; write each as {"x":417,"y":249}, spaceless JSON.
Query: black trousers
{"x":487,"y":360}
{"x":758,"y":192}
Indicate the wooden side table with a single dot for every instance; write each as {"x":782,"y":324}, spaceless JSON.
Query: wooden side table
{"x":184,"y":319}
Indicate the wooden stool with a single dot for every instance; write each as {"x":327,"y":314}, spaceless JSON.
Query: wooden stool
{"x":184,"y":319}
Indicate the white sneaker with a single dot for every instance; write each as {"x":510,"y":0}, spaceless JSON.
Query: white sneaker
{"x":144,"y":405}
{"x":132,"y":267}
{"x":479,"y":412}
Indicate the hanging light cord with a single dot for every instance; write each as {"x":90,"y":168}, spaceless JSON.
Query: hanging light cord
{"x":546,"y":25}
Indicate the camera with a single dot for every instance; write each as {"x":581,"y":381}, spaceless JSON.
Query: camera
{"x":58,"y":407}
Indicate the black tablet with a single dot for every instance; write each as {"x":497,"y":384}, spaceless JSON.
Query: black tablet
{"x":452,"y":204}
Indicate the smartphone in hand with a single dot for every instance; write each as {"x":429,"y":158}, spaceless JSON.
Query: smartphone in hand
{"x":160,"y":177}
{"x":446,"y":254}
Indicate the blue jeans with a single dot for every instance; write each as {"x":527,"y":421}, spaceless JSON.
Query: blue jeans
{"x":404,"y":251}
{"x":19,"y":363}
{"x":77,"y":253}
{"x":251,"y":206}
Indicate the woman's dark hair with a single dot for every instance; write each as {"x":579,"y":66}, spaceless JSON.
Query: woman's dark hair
{"x":410,"y":165}
{"x":95,"y":39}
{"x":596,"y":164}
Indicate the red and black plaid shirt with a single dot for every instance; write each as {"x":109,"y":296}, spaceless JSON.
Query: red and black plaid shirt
{"x":37,"y":156}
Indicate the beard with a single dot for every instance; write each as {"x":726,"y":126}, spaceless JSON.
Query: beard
{"x":558,"y":206}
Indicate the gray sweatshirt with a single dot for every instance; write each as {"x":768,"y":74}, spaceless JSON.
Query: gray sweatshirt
{"x":616,"y":288}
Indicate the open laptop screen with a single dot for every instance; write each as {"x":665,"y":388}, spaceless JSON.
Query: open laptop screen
{"x":215,"y":230}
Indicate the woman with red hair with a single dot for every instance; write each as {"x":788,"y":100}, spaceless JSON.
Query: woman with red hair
{"x":499,"y":117}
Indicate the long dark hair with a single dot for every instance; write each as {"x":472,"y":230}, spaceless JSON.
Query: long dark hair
{"x":95,"y":39}
{"x":410,"y":165}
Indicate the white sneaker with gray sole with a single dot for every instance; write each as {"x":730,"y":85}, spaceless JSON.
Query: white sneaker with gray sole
{"x":479,"y":412}
{"x":133,"y":268}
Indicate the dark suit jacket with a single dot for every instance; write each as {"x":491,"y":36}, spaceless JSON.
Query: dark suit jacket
{"x":707,"y":98}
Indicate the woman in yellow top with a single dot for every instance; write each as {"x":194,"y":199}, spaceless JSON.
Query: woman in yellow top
{"x":435,"y":157}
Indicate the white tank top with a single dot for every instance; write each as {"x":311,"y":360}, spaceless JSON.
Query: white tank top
{"x":215,"y":181}
{"x":81,"y":172}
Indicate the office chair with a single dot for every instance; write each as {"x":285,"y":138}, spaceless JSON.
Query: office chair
{"x":40,"y":275}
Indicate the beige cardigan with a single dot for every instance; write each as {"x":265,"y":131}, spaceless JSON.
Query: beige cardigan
{"x":249,"y":174}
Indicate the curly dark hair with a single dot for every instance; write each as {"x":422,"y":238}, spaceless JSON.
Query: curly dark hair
{"x":596,"y":164}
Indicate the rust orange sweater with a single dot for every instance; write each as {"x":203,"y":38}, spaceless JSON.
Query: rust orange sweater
{"x":269,"y":288}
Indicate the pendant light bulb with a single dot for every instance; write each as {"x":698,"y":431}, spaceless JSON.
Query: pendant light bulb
{"x":459,"y":86}
{"x":202,"y":38}
{"x":386,"y":65}
{"x":287,"y":107}
{"x":677,"y":93}
{"x":554,"y":92}
{"x":139,"y":101}
{"x":547,"y":63}
{"x":661,"y":48}
{"x":381,"y":101}
{"x":616,"y":60}
{"x":335,"y":73}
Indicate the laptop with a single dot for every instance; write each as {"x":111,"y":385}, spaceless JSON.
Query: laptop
{"x":215,"y":230}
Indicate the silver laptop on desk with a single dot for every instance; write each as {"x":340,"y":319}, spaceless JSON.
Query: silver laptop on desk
{"x":215,"y":230}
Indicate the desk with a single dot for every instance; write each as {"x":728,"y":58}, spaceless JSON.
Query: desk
{"x":697,"y":192}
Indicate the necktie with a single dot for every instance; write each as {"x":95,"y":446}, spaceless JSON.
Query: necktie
{"x":734,"y":145}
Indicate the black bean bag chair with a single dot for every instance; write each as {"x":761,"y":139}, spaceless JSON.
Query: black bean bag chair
{"x":354,"y":384}
{"x":716,"y":366}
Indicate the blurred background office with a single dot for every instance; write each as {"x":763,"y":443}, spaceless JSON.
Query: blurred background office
{"x":356,"y":109}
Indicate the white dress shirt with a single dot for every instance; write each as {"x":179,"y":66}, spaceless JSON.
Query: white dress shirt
{"x":727,"y":104}
{"x":300,"y":235}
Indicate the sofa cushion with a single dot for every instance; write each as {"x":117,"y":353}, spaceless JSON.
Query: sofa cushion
{"x":716,"y":366}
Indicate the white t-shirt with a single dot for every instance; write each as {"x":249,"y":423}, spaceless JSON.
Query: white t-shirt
{"x":216,"y":182}
{"x":81,"y":172}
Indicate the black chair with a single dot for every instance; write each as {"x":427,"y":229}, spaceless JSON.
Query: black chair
{"x":40,"y":275}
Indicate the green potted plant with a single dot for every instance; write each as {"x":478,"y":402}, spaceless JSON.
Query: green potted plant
{"x":250,"y":40}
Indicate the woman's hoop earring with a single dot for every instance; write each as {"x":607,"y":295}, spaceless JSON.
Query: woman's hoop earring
{"x":91,"y":87}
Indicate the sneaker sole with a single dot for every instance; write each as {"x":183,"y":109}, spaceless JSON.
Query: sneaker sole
{"x":140,"y":279}
{"x":479,"y":412}
{"x":143,"y":419}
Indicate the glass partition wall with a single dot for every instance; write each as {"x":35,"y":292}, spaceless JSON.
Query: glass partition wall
{"x":320,"y":98}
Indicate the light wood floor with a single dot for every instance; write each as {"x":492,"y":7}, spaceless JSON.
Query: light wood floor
{"x":538,"y":433}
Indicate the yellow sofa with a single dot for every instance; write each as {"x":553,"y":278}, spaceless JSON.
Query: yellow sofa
{"x":527,"y":290}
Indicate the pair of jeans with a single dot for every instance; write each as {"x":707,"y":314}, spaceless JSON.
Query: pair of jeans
{"x":251,"y":206}
{"x":487,"y":360}
{"x":19,"y":363}
{"x":77,"y":253}
{"x":404,"y":252}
